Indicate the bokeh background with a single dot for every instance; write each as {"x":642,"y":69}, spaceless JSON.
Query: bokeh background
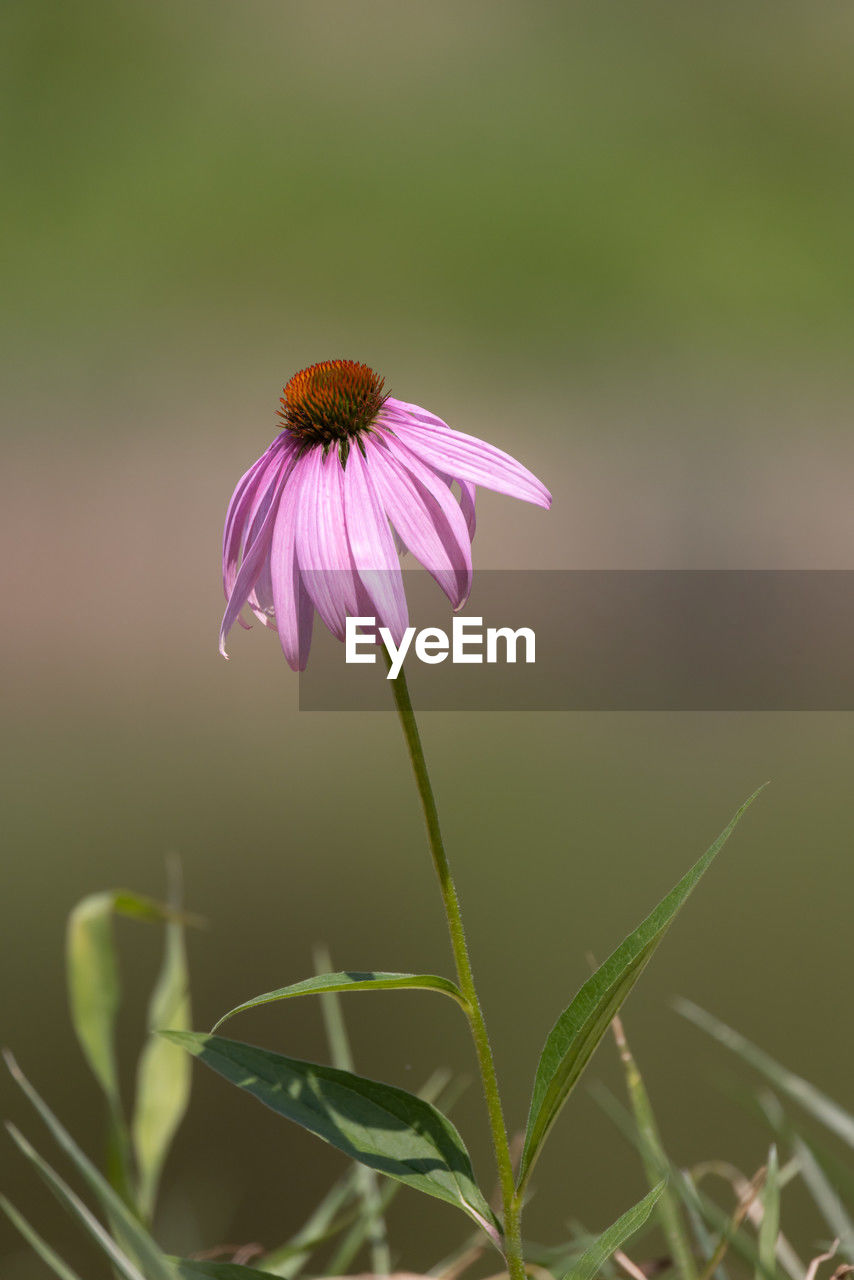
{"x":615,"y":239}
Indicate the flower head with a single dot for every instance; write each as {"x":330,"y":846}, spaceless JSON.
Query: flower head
{"x":317,"y":522}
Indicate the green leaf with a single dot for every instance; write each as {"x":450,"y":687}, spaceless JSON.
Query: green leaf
{"x":94,"y":993}
{"x":352,"y":981}
{"x":770,"y":1225}
{"x":39,"y":1246}
{"x":371,"y":1223}
{"x":375,"y":1124}
{"x":288,"y":1260}
{"x":192,"y":1269}
{"x":592,"y":1260}
{"x":699,"y":1206}
{"x":132,"y":1236}
{"x":826,"y":1199}
{"x":94,"y":987}
{"x":654,"y":1159}
{"x":77,"y":1208}
{"x":818,"y":1104}
{"x":582,"y":1025}
{"x":163,"y":1075}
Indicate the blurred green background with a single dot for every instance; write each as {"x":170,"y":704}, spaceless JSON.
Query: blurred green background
{"x":615,"y":239}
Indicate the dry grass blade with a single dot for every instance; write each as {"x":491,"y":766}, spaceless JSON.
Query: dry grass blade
{"x":812,"y":1270}
{"x":742,"y":1209}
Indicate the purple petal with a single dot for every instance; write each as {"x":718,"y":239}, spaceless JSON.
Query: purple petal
{"x":372,"y":546}
{"x":467,"y":501}
{"x":459,"y":455}
{"x":256,"y":485}
{"x":260,"y":599}
{"x":293,"y":609}
{"x":322,"y":549}
{"x":425,"y":514}
{"x":249,"y":571}
{"x":467,"y":505}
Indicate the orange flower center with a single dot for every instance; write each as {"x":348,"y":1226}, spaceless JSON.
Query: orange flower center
{"x":332,"y":403}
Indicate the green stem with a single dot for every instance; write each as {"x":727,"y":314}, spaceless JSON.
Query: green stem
{"x":512,"y":1208}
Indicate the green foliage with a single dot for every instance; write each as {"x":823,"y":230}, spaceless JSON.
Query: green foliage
{"x":813,"y":1100}
{"x":769,"y":1229}
{"x":582,"y":1025}
{"x":351,"y":981}
{"x":816,"y":1103}
{"x":385,"y":1128}
{"x":591,"y":1261}
{"x":131,"y":1237}
{"x":654,"y":1158}
{"x":163,"y":1074}
{"x":190,"y":1269}
{"x":371,"y":1224}
{"x":124,"y":1265}
{"x":37,"y":1244}
{"x":134,"y":1158}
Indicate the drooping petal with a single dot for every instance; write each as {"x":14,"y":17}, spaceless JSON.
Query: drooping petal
{"x":235,"y":514}
{"x":467,"y":499}
{"x":260,"y":599}
{"x":255,"y":487}
{"x":249,"y":570}
{"x":425,"y":514}
{"x":294,"y":611}
{"x":372,"y":546}
{"x":461,"y":456}
{"x":467,"y":503}
{"x":255,"y":522}
{"x":322,"y":549}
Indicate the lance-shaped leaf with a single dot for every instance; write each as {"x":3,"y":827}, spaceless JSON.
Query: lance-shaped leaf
{"x":163,"y":1074}
{"x":582,"y":1025}
{"x":592,"y":1260}
{"x":769,"y":1229}
{"x":129,"y":1232}
{"x":94,"y":988}
{"x":124,"y":1265}
{"x":326,"y":983}
{"x":94,"y":996}
{"x":326,"y":1220}
{"x":818,"y":1104}
{"x":193,"y":1269}
{"x":377,"y":1125}
{"x":37,"y":1244}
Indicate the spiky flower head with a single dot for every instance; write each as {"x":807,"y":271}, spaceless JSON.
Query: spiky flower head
{"x":332,"y":403}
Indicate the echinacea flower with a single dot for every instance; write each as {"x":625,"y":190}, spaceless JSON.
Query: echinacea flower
{"x":317,"y":521}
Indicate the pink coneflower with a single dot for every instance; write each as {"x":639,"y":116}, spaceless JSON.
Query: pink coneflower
{"x":312,"y":524}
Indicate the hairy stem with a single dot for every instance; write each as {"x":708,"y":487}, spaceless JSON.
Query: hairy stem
{"x":512,"y":1208}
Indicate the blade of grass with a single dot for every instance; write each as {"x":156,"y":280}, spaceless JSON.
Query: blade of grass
{"x":813,"y":1100}
{"x":76,"y":1207}
{"x":784,"y":1253}
{"x":690,"y":1195}
{"x":655,"y":1161}
{"x":827,"y":1201}
{"x":769,"y":1228}
{"x":578,"y":1031}
{"x":705,"y":1243}
{"x":129,"y":1231}
{"x":590,"y":1263}
{"x":34,"y":1240}
{"x":164,"y":1071}
{"x":732,"y":1228}
{"x":367,"y":1182}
